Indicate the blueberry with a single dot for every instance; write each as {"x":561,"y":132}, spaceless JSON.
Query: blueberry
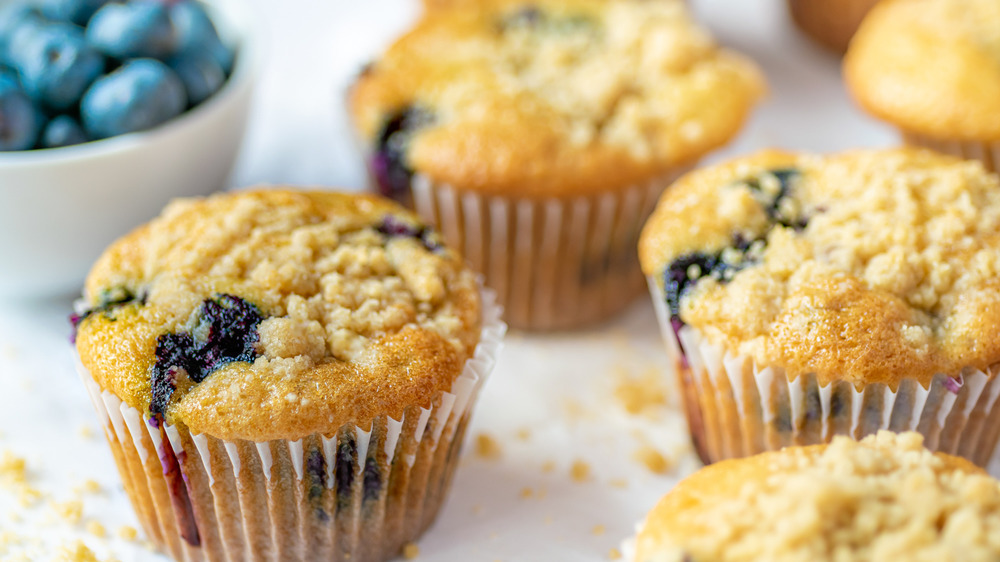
{"x":15,"y":18}
{"x":71,"y":11}
{"x":62,"y":131}
{"x":201,"y":75}
{"x":197,"y":34}
{"x":56,"y":65}
{"x":20,"y":120}
{"x":227,"y":333}
{"x":133,"y":30}
{"x":389,"y":163}
{"x":139,"y":95}
{"x":394,"y":227}
{"x":772,"y":201}
{"x":527,"y":16}
{"x":109,"y":300}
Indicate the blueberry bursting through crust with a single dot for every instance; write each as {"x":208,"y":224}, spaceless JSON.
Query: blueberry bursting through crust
{"x":226,"y":333}
{"x":394,"y":227}
{"x":110,"y":301}
{"x":389,"y":162}
{"x":772,"y":190}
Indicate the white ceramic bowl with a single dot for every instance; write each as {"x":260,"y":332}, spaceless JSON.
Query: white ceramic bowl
{"x":59,"y":208}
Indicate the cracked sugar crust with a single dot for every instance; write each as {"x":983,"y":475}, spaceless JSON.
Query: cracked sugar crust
{"x":884,"y":498}
{"x":930,"y":67}
{"x":895,"y":274}
{"x":360,"y":319}
{"x":558,"y":97}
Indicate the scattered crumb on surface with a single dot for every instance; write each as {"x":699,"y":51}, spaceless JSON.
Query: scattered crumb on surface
{"x":645,"y":394}
{"x":527,"y":493}
{"x":78,"y":552}
{"x":410,"y":551}
{"x":71,"y":511}
{"x":14,"y":475}
{"x":477,"y":509}
{"x":598,"y":530}
{"x":653,"y":460}
{"x":548,"y":466}
{"x":619,"y":483}
{"x":487,"y":447}
{"x":580,"y":471}
{"x":127,"y":532}
{"x":523,"y":434}
{"x":85,"y":432}
{"x":95,"y":528}
{"x":574,"y":410}
{"x":88,"y":486}
{"x":614,"y":554}
{"x":549,"y":520}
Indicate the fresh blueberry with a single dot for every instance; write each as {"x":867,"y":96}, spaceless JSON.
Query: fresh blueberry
{"x":62,"y":131}
{"x":201,"y":75}
{"x":71,"y":11}
{"x":20,"y":120}
{"x":14,"y":19}
{"x":133,"y":30}
{"x":139,"y":95}
{"x":772,"y":201}
{"x":227,"y":332}
{"x":389,"y":162}
{"x":197,"y":34}
{"x":56,"y":65}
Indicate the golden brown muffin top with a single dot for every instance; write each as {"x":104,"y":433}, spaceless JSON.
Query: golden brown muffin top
{"x":884,"y":498}
{"x":930,"y":67}
{"x":867,"y":266}
{"x":278,"y":314}
{"x":553,"y":97}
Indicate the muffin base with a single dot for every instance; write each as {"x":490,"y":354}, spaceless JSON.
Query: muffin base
{"x":831,"y":23}
{"x":986,"y":152}
{"x":736,"y":408}
{"x":556,"y":263}
{"x":360,"y":494}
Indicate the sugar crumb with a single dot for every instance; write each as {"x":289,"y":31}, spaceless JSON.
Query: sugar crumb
{"x":620,"y":483}
{"x":487,"y":447}
{"x":85,"y":432}
{"x":527,"y":493}
{"x":645,"y":394}
{"x":523,"y":434}
{"x":71,"y":511}
{"x":88,"y":486}
{"x":580,"y":471}
{"x":548,"y":466}
{"x":598,"y":530}
{"x":410,"y":551}
{"x":127,"y":532}
{"x":653,"y":460}
{"x":78,"y":552}
{"x":614,"y":554}
{"x":95,"y":528}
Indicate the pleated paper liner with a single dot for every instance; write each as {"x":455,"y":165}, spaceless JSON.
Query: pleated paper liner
{"x":359,"y":494}
{"x":736,"y":408}
{"x":830,"y":22}
{"x":986,"y":152}
{"x":556,"y":263}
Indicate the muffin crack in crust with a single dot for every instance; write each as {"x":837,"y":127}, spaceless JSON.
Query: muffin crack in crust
{"x":870,"y":266}
{"x":884,"y":498}
{"x":611,"y":92}
{"x":304,"y":310}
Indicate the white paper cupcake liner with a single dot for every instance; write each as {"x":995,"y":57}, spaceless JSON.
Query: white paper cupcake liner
{"x":737,"y":408}
{"x":556,"y":263}
{"x":359,"y":494}
{"x":986,"y":152}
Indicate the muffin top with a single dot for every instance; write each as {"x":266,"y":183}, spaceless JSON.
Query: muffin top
{"x":278,"y":314}
{"x":884,"y":498}
{"x":551,"y":97}
{"x":866,"y":266}
{"x":930,"y":66}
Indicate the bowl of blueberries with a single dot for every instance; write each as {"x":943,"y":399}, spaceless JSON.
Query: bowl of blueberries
{"x":108,"y":110}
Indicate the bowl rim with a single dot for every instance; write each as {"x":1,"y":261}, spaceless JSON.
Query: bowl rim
{"x":242,"y":21}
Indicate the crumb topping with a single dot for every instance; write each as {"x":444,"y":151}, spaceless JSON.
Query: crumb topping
{"x":552,"y":95}
{"x":866,"y":266}
{"x":930,"y":66}
{"x":311,"y":309}
{"x":884,"y":498}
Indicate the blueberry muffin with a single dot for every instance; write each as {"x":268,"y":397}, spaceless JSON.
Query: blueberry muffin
{"x":807,"y":296}
{"x":884,"y":498}
{"x":538,"y":135}
{"x":284,"y":374}
{"x":830,"y":23}
{"x":931,"y":68}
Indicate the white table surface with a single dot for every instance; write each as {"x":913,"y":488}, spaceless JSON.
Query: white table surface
{"x":558,"y":387}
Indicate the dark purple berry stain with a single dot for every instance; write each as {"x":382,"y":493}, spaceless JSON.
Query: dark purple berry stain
{"x":347,"y":454}
{"x":394,"y":227}
{"x":178,"y":488}
{"x":531,"y":18}
{"x":389,"y":163}
{"x":372,"y":480}
{"x":526,"y":16}
{"x":227,"y":332}
{"x":110,"y":300}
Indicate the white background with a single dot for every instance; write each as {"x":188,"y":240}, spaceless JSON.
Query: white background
{"x":550,"y":401}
